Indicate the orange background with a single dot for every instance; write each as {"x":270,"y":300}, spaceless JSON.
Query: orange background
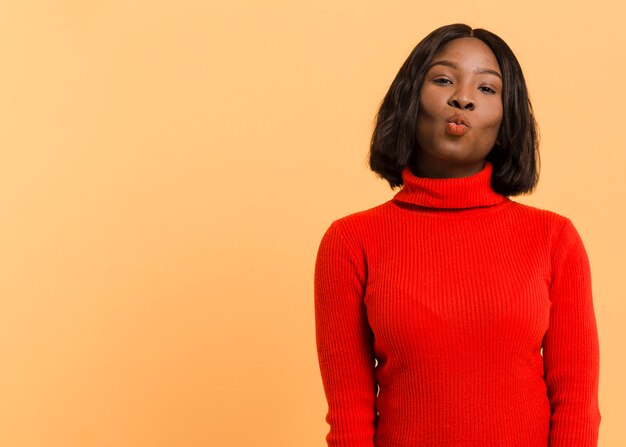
{"x":167,"y":170}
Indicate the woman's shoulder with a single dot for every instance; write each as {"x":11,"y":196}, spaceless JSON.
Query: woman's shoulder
{"x":363,"y":216}
{"x":536,"y":217}
{"x":365,"y":222}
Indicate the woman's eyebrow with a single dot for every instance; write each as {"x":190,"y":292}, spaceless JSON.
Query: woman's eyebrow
{"x":479,"y":70}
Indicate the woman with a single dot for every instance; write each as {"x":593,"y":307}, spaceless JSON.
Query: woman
{"x":452,"y":315}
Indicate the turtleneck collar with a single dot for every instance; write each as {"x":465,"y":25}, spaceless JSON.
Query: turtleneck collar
{"x":455,"y":192}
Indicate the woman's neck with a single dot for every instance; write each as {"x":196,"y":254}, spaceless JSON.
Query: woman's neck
{"x":471,"y":191}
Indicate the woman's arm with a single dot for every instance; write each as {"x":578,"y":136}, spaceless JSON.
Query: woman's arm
{"x":570,"y":346}
{"x":344,"y":342}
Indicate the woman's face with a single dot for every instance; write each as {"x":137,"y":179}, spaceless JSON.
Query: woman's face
{"x":460,"y":110}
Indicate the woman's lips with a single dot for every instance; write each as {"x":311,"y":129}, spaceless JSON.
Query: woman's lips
{"x":456,"y":129}
{"x":457,"y":125}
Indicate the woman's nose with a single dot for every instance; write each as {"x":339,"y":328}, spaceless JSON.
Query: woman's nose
{"x":461,"y":101}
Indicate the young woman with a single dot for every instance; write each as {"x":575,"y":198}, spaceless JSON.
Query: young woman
{"x":451,"y":315}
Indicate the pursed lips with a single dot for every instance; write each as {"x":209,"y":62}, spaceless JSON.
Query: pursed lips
{"x":458,"y":119}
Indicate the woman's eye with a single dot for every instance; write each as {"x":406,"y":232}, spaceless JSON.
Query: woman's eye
{"x":442,"y":81}
{"x":487,"y":90}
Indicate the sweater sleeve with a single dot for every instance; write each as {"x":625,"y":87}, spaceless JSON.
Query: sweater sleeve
{"x":344,"y":342}
{"x":570,"y":346}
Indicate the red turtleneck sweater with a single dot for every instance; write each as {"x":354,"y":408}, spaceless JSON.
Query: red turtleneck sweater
{"x":451,"y":315}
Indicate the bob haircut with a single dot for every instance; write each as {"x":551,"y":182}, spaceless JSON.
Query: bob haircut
{"x":515,"y":156}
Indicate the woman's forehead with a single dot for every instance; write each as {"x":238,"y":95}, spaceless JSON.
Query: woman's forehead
{"x":467,"y":51}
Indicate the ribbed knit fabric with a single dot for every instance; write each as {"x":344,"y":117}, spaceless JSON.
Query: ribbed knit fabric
{"x":431,"y":313}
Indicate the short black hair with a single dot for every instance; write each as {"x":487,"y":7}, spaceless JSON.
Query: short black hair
{"x":515,"y":156}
